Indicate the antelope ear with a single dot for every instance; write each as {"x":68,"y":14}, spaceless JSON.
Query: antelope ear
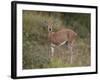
{"x":45,"y":22}
{"x":52,"y":24}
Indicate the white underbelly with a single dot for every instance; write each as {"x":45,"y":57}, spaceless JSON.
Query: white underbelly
{"x":53,"y":45}
{"x":62,"y":43}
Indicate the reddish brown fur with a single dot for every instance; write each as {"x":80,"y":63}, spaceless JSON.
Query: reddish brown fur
{"x":61,"y":36}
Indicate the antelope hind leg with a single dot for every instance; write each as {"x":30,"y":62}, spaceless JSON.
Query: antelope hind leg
{"x":71,"y":52}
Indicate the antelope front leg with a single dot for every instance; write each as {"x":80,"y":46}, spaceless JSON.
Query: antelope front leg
{"x":52,"y":51}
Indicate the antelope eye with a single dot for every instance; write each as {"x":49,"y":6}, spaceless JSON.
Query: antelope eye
{"x":49,"y":29}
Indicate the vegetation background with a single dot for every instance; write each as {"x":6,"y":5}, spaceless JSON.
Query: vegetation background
{"x":36,"y":48}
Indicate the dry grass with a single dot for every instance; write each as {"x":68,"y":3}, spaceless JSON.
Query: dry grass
{"x":39,"y":56}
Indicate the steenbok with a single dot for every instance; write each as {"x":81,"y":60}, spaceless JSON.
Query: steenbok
{"x":61,"y":37}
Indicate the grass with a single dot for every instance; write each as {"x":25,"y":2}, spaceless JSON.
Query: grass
{"x":38,"y":56}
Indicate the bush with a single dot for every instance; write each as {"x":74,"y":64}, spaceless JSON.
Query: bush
{"x":36,"y":48}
